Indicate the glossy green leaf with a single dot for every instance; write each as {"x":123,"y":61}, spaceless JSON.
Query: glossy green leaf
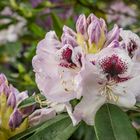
{"x":111,"y":123}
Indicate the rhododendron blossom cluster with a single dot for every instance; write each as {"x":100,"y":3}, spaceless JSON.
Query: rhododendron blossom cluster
{"x":92,"y":65}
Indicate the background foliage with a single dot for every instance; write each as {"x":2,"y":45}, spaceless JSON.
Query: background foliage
{"x":41,"y":16}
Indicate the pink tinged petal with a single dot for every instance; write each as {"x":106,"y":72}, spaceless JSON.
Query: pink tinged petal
{"x":69,"y":111}
{"x":87,"y":108}
{"x":13,"y":90}
{"x":4,"y":88}
{"x":132,"y":85}
{"x":3,"y":79}
{"x":113,"y":35}
{"x":126,"y":94}
{"x":55,"y":89}
{"x":113,"y":44}
{"x":11,"y":101}
{"x":103,"y":25}
{"x":69,"y":31}
{"x":15,"y":119}
{"x":45,"y":65}
{"x":67,"y":39}
{"x":61,"y":91}
{"x":49,"y":44}
{"x":21,"y":96}
{"x":91,"y":18}
{"x":81,"y":24}
{"x":90,"y":90}
{"x":132,"y":43}
{"x":94,"y":32}
{"x":41,"y":115}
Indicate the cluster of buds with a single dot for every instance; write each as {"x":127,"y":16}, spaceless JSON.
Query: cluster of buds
{"x":13,"y":120}
{"x":91,"y":34}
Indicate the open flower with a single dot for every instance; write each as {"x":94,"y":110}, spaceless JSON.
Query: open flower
{"x":56,"y":65}
{"x":108,"y":77}
{"x":90,"y":64}
{"x":58,"y":62}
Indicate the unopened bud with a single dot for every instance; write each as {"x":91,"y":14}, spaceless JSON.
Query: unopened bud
{"x":81,"y":24}
{"x":15,"y":119}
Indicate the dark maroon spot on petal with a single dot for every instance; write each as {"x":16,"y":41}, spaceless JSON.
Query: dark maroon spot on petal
{"x":67,"y":65}
{"x":113,"y":66}
{"x":132,"y":46}
{"x":93,"y":62}
{"x":117,"y":79}
{"x":66,"y":55}
{"x":66,"y":59}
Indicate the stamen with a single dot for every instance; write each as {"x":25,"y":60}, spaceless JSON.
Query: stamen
{"x":107,"y":92}
{"x":41,"y":103}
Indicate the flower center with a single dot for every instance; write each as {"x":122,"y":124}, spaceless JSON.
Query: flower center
{"x":107,"y":92}
{"x":113,"y":66}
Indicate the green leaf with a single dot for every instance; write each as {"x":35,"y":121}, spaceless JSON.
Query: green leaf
{"x":37,"y":30}
{"x":31,"y":101}
{"x":111,"y":123}
{"x":59,"y":128}
{"x":57,"y":24}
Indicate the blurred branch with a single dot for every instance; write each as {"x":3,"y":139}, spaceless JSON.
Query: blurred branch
{"x":91,"y":7}
{"x":96,"y":8}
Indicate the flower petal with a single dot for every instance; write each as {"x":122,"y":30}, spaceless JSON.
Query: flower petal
{"x":92,"y":100}
{"x":132,"y":43}
{"x":41,"y":115}
{"x":50,"y":44}
{"x":88,"y":107}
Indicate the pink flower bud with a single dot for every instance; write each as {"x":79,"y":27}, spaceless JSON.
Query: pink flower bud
{"x":94,"y":32}
{"x":11,"y":100}
{"x":41,"y":115}
{"x":81,"y":24}
{"x":91,"y":18}
{"x":67,"y":39}
{"x":69,"y":31}
{"x":15,"y":119}
{"x":112,"y":35}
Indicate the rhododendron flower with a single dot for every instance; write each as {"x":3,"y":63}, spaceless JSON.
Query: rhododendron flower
{"x":58,"y":62}
{"x":92,"y":64}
